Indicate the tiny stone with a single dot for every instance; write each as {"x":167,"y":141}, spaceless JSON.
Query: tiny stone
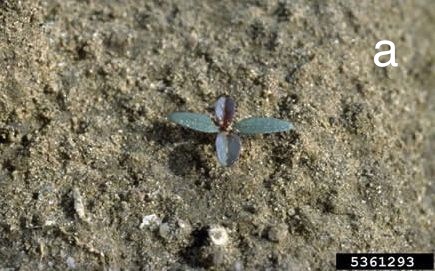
{"x":218,"y":235}
{"x":238,"y":266}
{"x":291,"y":212}
{"x":124,"y":206}
{"x":150,"y":220}
{"x":218,"y":257}
{"x":164,"y":230}
{"x":78,"y":204}
{"x":278,"y":233}
{"x":184,"y":228}
{"x":71,"y":263}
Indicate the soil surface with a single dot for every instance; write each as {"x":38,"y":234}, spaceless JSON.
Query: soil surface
{"x":93,"y":176}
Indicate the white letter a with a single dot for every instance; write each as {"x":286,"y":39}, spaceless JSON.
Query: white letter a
{"x":391,"y":52}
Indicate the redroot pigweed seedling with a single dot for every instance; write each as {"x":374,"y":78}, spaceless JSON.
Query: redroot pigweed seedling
{"x":227,"y":141}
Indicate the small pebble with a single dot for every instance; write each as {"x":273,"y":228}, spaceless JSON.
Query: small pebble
{"x":79,"y":207}
{"x":218,"y":257}
{"x":71,"y":263}
{"x":150,"y":220}
{"x":165,"y":231}
{"x":277,"y":233}
{"x":184,"y":228}
{"x":238,"y":266}
{"x":218,"y":235}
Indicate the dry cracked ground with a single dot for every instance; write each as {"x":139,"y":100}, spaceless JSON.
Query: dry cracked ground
{"x":93,"y":176}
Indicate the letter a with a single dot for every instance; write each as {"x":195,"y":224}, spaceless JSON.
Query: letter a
{"x":391,"y":52}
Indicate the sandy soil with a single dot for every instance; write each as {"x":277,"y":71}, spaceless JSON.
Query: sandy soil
{"x":93,"y":176}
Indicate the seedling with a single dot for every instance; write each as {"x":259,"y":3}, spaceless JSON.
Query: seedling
{"x":228,"y":143}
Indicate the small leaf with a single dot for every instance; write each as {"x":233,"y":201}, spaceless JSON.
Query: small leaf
{"x":198,"y":122}
{"x":225,"y":110}
{"x":227,"y":148}
{"x":262,"y":126}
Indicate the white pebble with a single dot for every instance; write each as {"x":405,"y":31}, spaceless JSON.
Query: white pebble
{"x":150,"y":220}
{"x":79,"y":207}
{"x":71,"y":263}
{"x":218,"y":235}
